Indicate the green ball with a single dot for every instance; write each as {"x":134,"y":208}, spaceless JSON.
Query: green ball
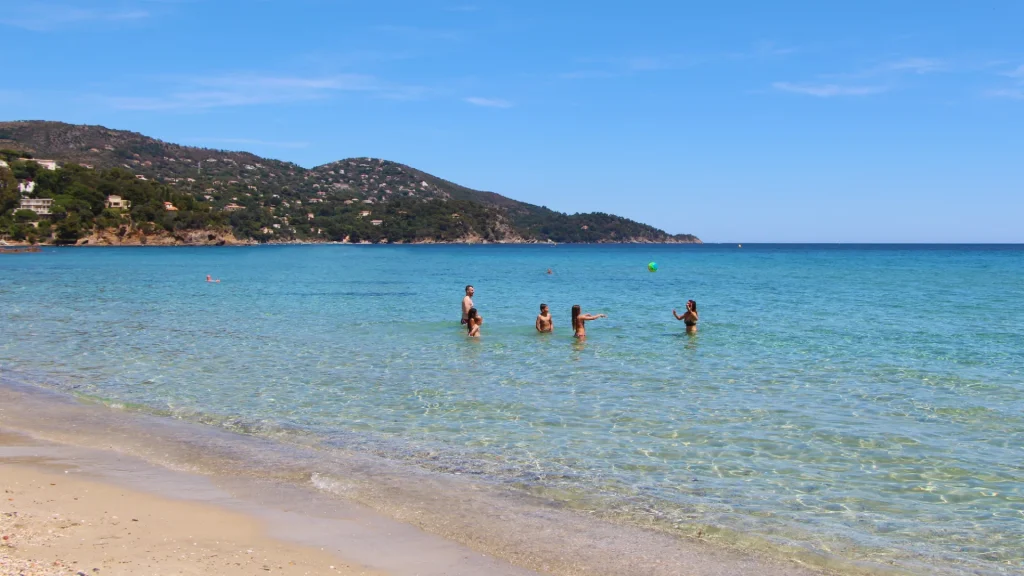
{"x":653,"y":266}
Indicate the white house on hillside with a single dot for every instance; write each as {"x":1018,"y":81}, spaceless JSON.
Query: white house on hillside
{"x":118,"y":203}
{"x":40,"y":206}
{"x":27,"y":187}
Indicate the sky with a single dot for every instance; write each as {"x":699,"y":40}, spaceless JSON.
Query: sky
{"x":735,"y":120}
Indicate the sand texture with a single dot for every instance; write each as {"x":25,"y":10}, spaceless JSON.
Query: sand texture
{"x":55,"y":524}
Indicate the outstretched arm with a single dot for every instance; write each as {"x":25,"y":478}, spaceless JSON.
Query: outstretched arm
{"x":678,"y":317}
{"x":592,"y":316}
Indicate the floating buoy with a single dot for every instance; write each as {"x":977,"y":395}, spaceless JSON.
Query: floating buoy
{"x":652,"y":266}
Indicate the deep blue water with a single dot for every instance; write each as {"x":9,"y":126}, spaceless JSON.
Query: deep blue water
{"x":867,"y":401}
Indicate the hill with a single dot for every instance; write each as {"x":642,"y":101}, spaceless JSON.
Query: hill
{"x":260,"y":199}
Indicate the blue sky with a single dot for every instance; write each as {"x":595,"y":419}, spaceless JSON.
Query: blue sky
{"x":738,"y":121}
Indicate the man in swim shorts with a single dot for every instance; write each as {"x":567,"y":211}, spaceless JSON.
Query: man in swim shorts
{"x":544,"y":321}
{"x":467,"y":303}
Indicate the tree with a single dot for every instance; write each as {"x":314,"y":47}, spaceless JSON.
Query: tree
{"x":25,"y":216}
{"x":69,"y":230}
{"x":9,"y":196}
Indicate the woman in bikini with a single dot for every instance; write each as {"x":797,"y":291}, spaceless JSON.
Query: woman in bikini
{"x":473,"y":322}
{"x":689,"y":317}
{"x":579,"y":321}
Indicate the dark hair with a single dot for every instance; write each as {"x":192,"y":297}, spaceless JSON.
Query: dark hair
{"x":693,"y":305}
{"x":575,"y":316}
{"x":470,"y":316}
{"x":468,"y":286}
{"x":543,"y":306}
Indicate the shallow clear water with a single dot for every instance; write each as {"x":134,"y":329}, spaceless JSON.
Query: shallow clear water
{"x":864,"y":401}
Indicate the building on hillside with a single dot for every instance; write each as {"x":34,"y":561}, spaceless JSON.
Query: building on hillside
{"x":368,"y":201}
{"x":310,"y":216}
{"x":170,"y":207}
{"x":26,"y":187}
{"x":118,"y":203}
{"x":364,"y":213}
{"x":3,"y":164}
{"x":140,"y":177}
{"x":48,"y":164}
{"x":376,"y":222}
{"x":232,"y":207}
{"x":40,"y":206}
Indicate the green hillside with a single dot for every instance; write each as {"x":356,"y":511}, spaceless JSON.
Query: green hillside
{"x":265,"y":200}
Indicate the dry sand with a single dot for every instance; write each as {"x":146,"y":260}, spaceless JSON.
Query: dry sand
{"x":55,"y":524}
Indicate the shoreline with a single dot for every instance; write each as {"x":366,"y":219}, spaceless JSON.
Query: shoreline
{"x":17,"y":244}
{"x":57,"y":519}
{"x":525,"y":531}
{"x":107,"y":239}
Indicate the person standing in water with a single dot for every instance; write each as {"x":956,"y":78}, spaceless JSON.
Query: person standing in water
{"x":689,"y":317}
{"x":467,"y":302}
{"x":473,"y":322}
{"x":545,"y":324}
{"x":579,"y":321}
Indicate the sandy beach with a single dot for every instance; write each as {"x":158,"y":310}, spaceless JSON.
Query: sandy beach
{"x":89,"y":488}
{"x":55,"y":524}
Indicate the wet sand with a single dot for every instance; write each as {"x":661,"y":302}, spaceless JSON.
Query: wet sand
{"x":364,"y":516}
{"x":57,"y":524}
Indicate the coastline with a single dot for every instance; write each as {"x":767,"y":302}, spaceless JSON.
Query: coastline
{"x":57,"y":521}
{"x":172,"y":243}
{"x":521,"y":534}
{"x":109,"y":238}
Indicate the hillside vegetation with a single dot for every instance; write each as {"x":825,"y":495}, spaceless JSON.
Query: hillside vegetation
{"x":264,"y":200}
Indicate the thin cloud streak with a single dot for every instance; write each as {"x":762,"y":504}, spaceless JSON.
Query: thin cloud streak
{"x":489,"y":102}
{"x":587,"y":74}
{"x":49,"y":17}
{"x":628,"y":66}
{"x":827,"y":90}
{"x":1018,"y":73}
{"x":916,"y":65}
{"x":203,"y":93}
{"x":1009,"y":93}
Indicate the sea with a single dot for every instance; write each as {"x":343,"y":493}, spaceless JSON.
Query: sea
{"x":860,"y":404}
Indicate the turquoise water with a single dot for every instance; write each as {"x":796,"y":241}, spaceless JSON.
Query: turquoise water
{"x":861,"y":401}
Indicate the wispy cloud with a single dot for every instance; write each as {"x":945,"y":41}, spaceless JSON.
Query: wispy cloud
{"x":631,"y":65}
{"x":489,"y":102}
{"x":1017,"y":73}
{"x":1010,"y":93}
{"x":201,"y":93}
{"x":915,"y":65}
{"x":827,"y":90}
{"x":587,"y":74}
{"x":247,"y":142}
{"x":874,"y":79}
{"x":893,"y":69}
{"x":49,"y":17}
